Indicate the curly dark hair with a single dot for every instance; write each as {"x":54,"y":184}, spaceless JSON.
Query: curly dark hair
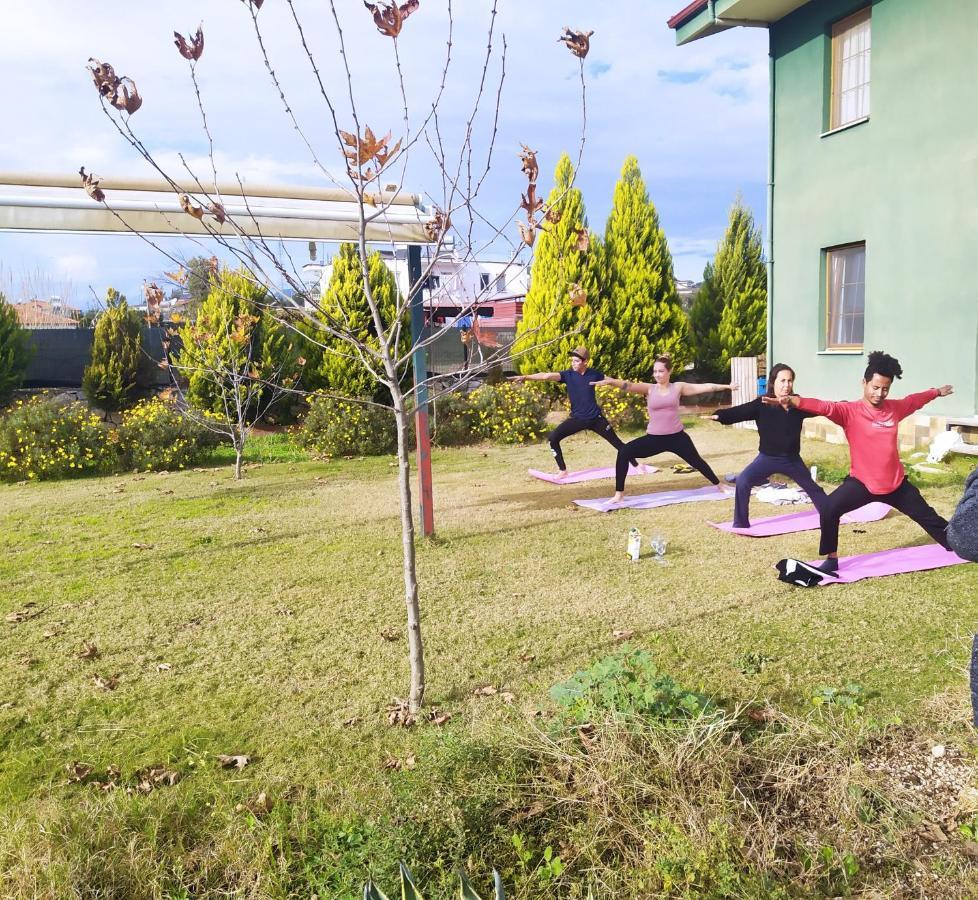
{"x":881,"y":363}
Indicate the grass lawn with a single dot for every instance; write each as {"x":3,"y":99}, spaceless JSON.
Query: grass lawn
{"x":259,"y":617}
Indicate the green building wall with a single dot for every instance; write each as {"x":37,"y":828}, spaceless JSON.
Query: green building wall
{"x":905,"y":182}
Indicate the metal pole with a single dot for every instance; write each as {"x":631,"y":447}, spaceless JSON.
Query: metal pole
{"x":421,"y":392}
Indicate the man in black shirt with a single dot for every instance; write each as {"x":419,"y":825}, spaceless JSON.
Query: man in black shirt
{"x":585,"y":414}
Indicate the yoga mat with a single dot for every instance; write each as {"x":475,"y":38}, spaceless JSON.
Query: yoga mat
{"x":587,"y":474}
{"x":891,"y":562}
{"x":661,"y":498}
{"x":802,"y":521}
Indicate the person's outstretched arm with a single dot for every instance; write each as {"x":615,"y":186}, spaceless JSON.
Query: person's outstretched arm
{"x":908,"y":405}
{"x":632,"y":387}
{"x":837,"y":412}
{"x":745,"y":412}
{"x":536,"y":376}
{"x":691,"y":390}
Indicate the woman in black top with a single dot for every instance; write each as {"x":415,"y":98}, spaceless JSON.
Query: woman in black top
{"x":780,"y":446}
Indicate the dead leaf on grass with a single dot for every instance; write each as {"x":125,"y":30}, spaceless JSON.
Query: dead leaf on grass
{"x":527,"y":657}
{"x":152,"y":777}
{"x":349,"y":723}
{"x":761,"y":714}
{"x":78,"y":771}
{"x":237,"y":761}
{"x":29,"y":611}
{"x":260,"y":806}
{"x":389,"y":634}
{"x":507,"y":697}
{"x":439,"y":718}
{"x":399,"y":713}
{"x":138,"y":546}
{"x":623,"y":634}
{"x":486,"y":691}
{"x":109,"y":683}
{"x":163,"y":667}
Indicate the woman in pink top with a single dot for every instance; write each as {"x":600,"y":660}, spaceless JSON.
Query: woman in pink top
{"x":875,"y":470}
{"x":665,"y":433}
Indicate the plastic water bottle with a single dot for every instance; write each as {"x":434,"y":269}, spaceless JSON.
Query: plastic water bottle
{"x":634,"y":544}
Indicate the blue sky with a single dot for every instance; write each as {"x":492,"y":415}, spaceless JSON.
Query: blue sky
{"x":695,"y":116}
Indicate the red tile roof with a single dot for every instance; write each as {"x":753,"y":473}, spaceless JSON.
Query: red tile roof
{"x":687,"y":13}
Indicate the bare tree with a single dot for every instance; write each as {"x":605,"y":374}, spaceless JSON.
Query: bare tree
{"x":371,"y":165}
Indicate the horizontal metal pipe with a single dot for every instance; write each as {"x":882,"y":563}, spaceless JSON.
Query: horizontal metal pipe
{"x":233,"y":211}
{"x":233,"y":189}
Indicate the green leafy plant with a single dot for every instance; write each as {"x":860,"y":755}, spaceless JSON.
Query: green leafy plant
{"x":409,"y":890}
{"x":851,"y":696}
{"x":453,"y":421}
{"x":753,"y":663}
{"x":15,"y":351}
{"x":627,"y":683}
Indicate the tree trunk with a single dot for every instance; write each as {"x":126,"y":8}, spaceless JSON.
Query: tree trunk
{"x":237,"y":463}
{"x":415,"y":646}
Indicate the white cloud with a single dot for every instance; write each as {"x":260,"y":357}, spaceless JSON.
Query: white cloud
{"x":77,"y":267}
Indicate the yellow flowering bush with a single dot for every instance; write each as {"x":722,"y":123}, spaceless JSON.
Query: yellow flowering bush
{"x":508,"y":413}
{"x":156,"y":435}
{"x":41,"y":440}
{"x":345,"y":428}
{"x":624,"y":411}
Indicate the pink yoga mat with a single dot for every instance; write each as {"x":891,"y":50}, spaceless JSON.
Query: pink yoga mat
{"x":891,"y":562}
{"x":802,"y":521}
{"x":587,"y":474}
{"x":660,"y":498}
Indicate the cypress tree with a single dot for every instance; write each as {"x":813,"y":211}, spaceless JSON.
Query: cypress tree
{"x":111,"y":379}
{"x":640,"y":312}
{"x":742,"y":283}
{"x":233,"y":343}
{"x":558,"y":264}
{"x":704,"y":321}
{"x":15,"y":350}
{"x":344,"y":303}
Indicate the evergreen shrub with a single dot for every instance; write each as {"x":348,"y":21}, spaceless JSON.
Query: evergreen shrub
{"x":14,"y":351}
{"x":453,"y":421}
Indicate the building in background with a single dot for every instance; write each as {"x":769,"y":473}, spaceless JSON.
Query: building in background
{"x":51,"y":313}
{"x":873,"y":205}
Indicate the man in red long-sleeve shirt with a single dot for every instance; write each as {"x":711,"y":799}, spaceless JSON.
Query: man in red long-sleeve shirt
{"x":875,"y":471}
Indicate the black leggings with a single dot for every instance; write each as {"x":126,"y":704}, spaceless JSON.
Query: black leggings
{"x":852,"y":494}
{"x":600,"y":426}
{"x":652,"y":444}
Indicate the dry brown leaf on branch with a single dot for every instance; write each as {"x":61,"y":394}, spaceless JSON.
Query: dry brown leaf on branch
{"x":531,"y":203}
{"x":90,"y":182}
{"x":582,"y":240}
{"x":109,"y":683}
{"x":438,"y":225}
{"x":179,"y":277}
{"x":194,"y":48}
{"x":361,"y":150}
{"x":389,"y":16}
{"x":553,"y":215}
{"x":190,"y":208}
{"x":577,"y":294}
{"x":578,"y":42}
{"x":88,"y":651}
{"x":120,"y":92}
{"x":218,"y":211}
{"x":234,"y":761}
{"x":530,"y":167}
{"x":528,"y":232}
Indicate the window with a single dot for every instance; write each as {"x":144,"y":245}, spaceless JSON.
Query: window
{"x":845,"y":297}
{"x":434,"y":282}
{"x":483,"y":280}
{"x":850,"y":70}
{"x":500,"y":284}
